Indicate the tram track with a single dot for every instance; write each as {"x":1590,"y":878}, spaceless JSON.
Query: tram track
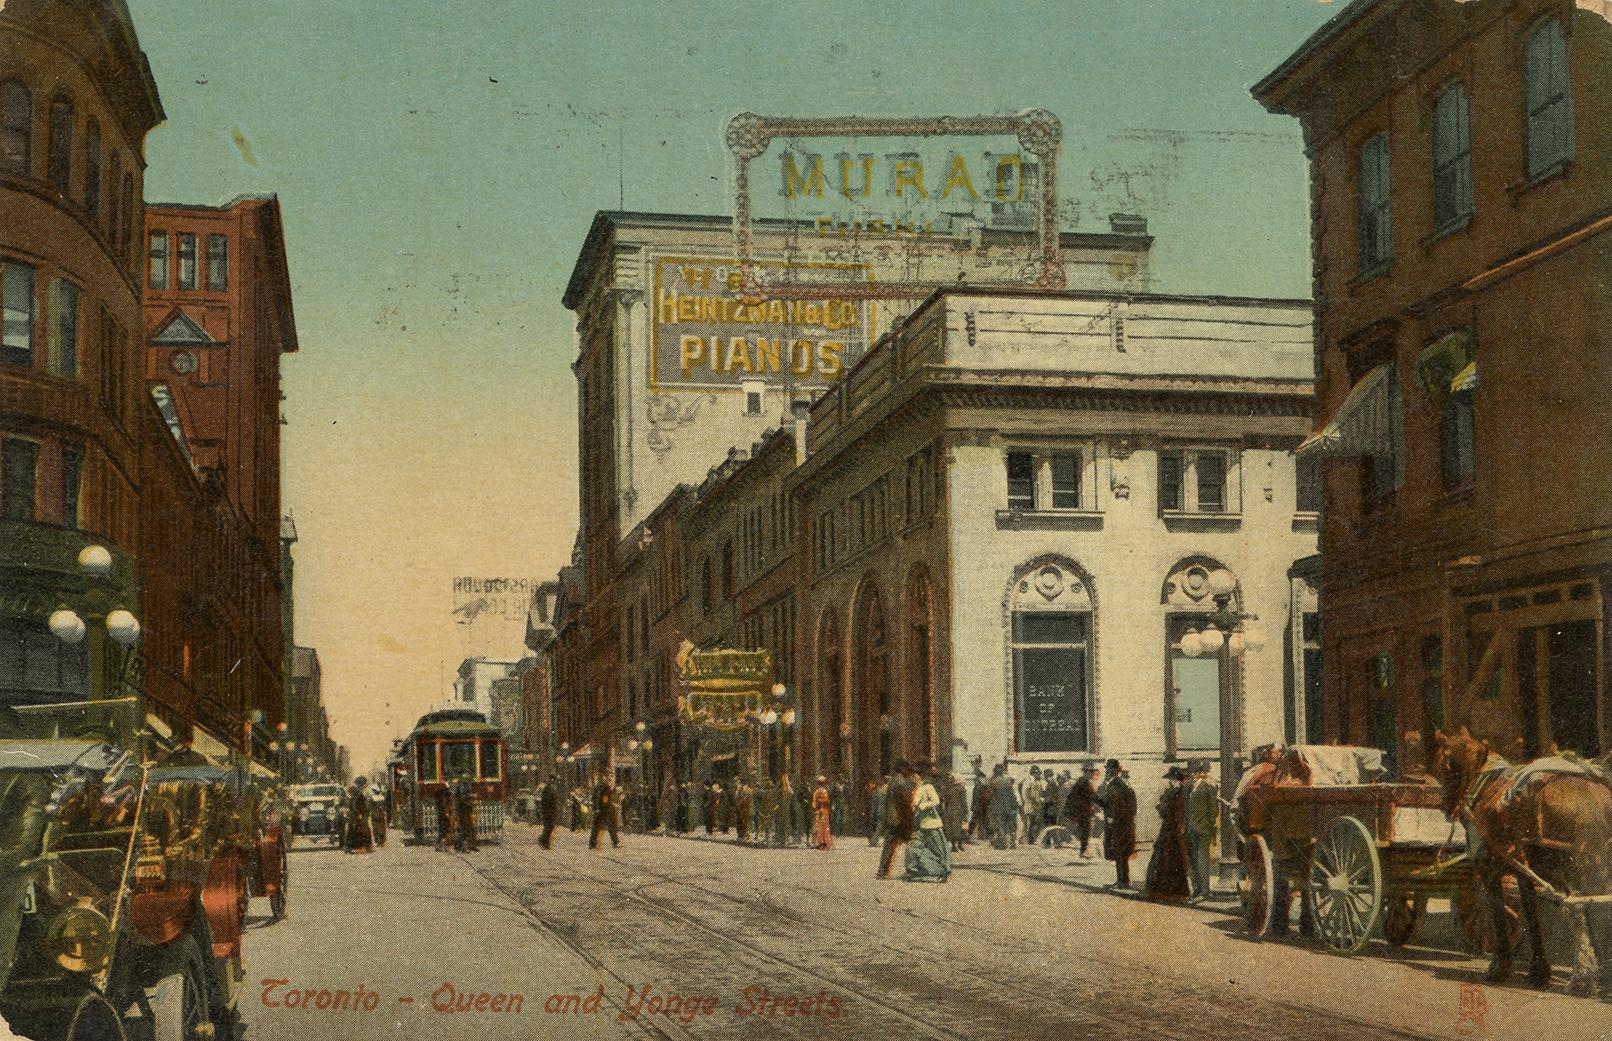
{"x":1129,"y":1007}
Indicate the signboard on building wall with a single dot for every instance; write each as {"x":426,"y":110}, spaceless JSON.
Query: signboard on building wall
{"x":706,"y":335}
{"x":490,"y":614}
{"x":881,"y":182}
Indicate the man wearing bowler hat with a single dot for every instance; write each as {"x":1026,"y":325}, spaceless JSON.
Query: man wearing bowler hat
{"x":1082,"y":806}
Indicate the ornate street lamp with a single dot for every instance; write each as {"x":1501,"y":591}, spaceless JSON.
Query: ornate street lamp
{"x":1226,"y":637}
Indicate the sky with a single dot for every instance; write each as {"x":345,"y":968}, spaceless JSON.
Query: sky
{"x":438,"y":165}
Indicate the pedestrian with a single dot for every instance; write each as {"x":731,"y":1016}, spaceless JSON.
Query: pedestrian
{"x":445,"y":822}
{"x":898,"y":819}
{"x":713,"y":807}
{"x":881,"y":791}
{"x":1002,"y":808}
{"x":1167,"y":871}
{"x":804,"y":817}
{"x":1118,"y":800}
{"x":953,"y":810}
{"x":1052,"y":806}
{"x":606,"y":813}
{"x":1031,"y":799}
{"x":745,"y":797}
{"x":464,"y":813}
{"x":548,"y":809}
{"x":360,"y":836}
{"x":929,"y":857}
{"x":783,"y":812}
{"x":1081,"y":806}
{"x":822,"y":805}
{"x":576,"y":809}
{"x":688,"y":813}
{"x":1203,"y":823}
{"x":979,"y":806}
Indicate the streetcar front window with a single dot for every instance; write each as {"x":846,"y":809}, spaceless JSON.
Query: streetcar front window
{"x":489,"y":761}
{"x":428,"y":762}
{"x":459,"y":760}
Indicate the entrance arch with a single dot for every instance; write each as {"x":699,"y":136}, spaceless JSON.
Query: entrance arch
{"x":920,"y":693}
{"x":872,"y":714}
{"x":831,"y":694}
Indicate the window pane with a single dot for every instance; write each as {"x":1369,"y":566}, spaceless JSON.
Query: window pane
{"x":1050,"y":692}
{"x":1066,"y":482}
{"x":1452,"y":158}
{"x":1169,"y":480}
{"x":1021,"y":481}
{"x":63,"y":329}
{"x":1549,"y":112}
{"x":72,"y":486}
{"x":489,"y":760}
{"x":428,"y":761}
{"x":1457,"y":440}
{"x":1373,"y":203}
{"x":459,"y":760}
{"x":187,"y":261}
{"x":157,"y":277}
{"x":1197,"y":702}
{"x":1211,"y":482}
{"x":1049,"y":627}
{"x":218,"y":275}
{"x":17,"y":323}
{"x":92,"y":171}
{"x":19,"y":461}
{"x":1308,"y":476}
{"x":16,"y":126}
{"x":61,"y":144}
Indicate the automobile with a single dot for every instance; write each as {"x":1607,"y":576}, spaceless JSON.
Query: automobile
{"x":318,"y":810}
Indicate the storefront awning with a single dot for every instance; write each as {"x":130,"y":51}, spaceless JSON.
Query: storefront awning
{"x":1466,"y":379}
{"x":1363,"y":424}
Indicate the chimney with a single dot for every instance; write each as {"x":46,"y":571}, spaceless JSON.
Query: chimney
{"x":1127,"y":224}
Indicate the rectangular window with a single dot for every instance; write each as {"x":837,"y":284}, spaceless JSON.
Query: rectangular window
{"x":1211,"y":482}
{"x":61,"y":327}
{"x":72,"y":486}
{"x":1170,"y":489}
{"x":1379,"y":474}
{"x":1049,"y":680}
{"x":1066,"y":481}
{"x":1372,"y":200}
{"x":1549,"y":104}
{"x":17,"y":317}
{"x":157,"y":275}
{"x":489,"y":770}
{"x":1452,"y":159}
{"x":1195,"y":693}
{"x":1458,"y":440}
{"x":187,"y":261}
{"x":1021,"y":481}
{"x":1307,"y":475}
{"x":217,"y":263}
{"x":19,"y":479}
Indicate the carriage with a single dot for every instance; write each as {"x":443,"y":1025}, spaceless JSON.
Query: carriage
{"x":1361,"y":852}
{"x":445,"y":746}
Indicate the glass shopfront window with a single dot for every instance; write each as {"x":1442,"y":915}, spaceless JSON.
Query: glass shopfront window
{"x":1050,"y":661}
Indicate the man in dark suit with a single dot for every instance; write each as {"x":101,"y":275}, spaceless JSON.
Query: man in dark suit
{"x":1118,"y":800}
{"x":898,"y":820}
{"x":605,"y":813}
{"x":548,"y":810}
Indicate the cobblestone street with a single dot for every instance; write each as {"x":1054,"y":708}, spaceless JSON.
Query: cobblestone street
{"x":759,"y":943}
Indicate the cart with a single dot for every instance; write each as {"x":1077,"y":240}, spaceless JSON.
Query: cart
{"x":1362,"y":853}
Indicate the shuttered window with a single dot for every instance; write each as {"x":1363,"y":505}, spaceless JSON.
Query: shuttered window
{"x":1549,"y":104}
{"x":1376,"y":230}
{"x":1452,"y":159}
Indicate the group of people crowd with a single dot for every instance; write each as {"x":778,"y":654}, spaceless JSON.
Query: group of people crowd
{"x":927,"y":810}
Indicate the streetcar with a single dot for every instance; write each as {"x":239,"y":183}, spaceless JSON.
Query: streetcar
{"x":445,"y":746}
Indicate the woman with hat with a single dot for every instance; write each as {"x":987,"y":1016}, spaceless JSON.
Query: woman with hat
{"x":1167,"y":869}
{"x":929,"y":856}
{"x":822,"y":801}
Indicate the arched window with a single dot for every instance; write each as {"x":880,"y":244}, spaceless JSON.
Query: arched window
{"x":114,"y":219}
{"x":921,"y":661}
{"x":92,"y":170}
{"x":1051,"y":616}
{"x":831,"y":708}
{"x":16,"y":127}
{"x":126,"y":236}
{"x":872,"y":709}
{"x":1547,"y":98}
{"x":1192,"y":682}
{"x":61,"y":144}
{"x":1452,"y":158}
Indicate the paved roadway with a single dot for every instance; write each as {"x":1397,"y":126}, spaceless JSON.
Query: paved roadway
{"x":1018,"y":946}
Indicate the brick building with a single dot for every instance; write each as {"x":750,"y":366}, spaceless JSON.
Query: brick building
{"x":217,"y":318}
{"x":1462,"y":246}
{"x":76,"y":101}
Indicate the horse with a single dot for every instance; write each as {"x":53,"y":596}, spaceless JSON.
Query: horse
{"x":1552,"y":836}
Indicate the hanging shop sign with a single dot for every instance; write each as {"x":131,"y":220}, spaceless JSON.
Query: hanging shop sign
{"x":724,"y":687}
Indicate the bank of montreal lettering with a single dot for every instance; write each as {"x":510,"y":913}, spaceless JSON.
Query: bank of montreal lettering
{"x":705,"y":335}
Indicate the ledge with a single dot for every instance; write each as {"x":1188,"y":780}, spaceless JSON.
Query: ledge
{"x":1049,"y":520}
{"x":1308,"y":522}
{"x":1182,"y":521}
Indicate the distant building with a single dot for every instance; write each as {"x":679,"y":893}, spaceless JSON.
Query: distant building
{"x":476,"y":681}
{"x":76,"y":102}
{"x":1460,"y":191}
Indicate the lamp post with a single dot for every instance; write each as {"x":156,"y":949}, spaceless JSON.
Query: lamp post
{"x":122,"y":628}
{"x":1226,"y":637}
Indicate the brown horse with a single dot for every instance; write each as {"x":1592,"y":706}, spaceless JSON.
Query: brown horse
{"x":1554,"y":836}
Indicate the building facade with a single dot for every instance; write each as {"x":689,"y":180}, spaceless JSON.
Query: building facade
{"x":1461,"y":251}
{"x":76,"y":102}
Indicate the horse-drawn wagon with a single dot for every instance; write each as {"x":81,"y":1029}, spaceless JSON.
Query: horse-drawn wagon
{"x":1360,"y":851}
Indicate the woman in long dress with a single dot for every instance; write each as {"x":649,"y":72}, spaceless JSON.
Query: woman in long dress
{"x":1168,"y":878}
{"x":822,"y":802}
{"x":929,"y":856}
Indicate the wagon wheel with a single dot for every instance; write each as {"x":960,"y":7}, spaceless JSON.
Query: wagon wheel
{"x":1345,"y":888}
{"x":1260,"y":878}
{"x":1471,"y":907}
{"x":1402,"y":913}
{"x":277,"y":898}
